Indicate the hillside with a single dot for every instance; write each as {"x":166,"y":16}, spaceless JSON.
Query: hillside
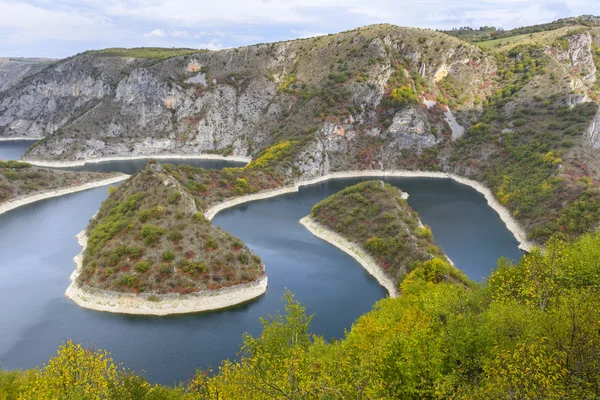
{"x":523,"y":118}
{"x":375,"y":216}
{"x":148,"y":237}
{"x":19,"y":179}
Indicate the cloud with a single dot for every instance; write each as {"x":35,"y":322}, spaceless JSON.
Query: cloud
{"x":156,"y":33}
{"x":64,"y":27}
{"x":212,"y":45}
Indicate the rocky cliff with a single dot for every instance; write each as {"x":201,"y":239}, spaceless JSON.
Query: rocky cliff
{"x":516,"y":115}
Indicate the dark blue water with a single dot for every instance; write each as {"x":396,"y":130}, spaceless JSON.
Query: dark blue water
{"x":39,"y":243}
{"x":14,"y":149}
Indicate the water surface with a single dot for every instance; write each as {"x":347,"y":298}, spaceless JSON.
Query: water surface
{"x":14,"y":149}
{"x":39,"y":244}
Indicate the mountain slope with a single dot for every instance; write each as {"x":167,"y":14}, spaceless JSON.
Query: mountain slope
{"x":522,"y":118}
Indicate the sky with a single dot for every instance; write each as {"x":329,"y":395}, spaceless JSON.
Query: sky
{"x":61,"y":28}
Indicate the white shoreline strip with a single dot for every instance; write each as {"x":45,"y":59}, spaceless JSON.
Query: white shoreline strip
{"x":511,"y":224}
{"x":58,"y":164}
{"x":11,"y":205}
{"x":11,"y":139}
{"x":167,"y":304}
{"x":353,"y":250}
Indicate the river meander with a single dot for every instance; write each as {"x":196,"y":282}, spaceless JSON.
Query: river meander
{"x":38,"y":245}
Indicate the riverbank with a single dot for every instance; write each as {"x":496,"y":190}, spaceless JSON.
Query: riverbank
{"x":12,"y":139}
{"x":11,"y":205}
{"x":61,"y":164}
{"x":353,"y":250}
{"x":162,"y":304}
{"x":505,"y":215}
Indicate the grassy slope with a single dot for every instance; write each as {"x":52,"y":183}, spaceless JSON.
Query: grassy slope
{"x":376,"y":217}
{"x":148,"y":237}
{"x":18,"y":179}
{"x":537,"y":38}
{"x":158,"y":53}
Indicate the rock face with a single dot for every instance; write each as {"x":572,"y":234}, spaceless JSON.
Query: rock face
{"x":592,"y":134}
{"x":333,"y":93}
{"x":14,"y":70}
{"x":239,"y":100}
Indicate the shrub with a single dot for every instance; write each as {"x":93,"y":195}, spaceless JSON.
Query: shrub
{"x":165,"y":269}
{"x":403,"y":95}
{"x":175,"y":236}
{"x":243,"y":258}
{"x":128,"y":280}
{"x":211,"y":243}
{"x":241,"y":185}
{"x":174,"y":198}
{"x":423,"y":232}
{"x":142,"y":266}
{"x":151,"y":233}
{"x":194,"y":186}
{"x":168,"y":255}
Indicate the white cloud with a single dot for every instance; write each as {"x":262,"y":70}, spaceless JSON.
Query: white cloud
{"x":212,"y":45}
{"x":73,"y":25}
{"x":156,"y":33}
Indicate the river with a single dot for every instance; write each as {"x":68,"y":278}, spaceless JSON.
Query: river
{"x":39,"y":244}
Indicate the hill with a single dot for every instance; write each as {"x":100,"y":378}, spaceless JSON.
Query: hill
{"x":376,"y":217}
{"x":149,"y":240}
{"x":377,"y":97}
{"x":19,"y":180}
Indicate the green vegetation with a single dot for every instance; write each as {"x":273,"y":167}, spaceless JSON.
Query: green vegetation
{"x":20,"y":179}
{"x":530,"y":332}
{"x":375,"y":216}
{"x":147,"y":237}
{"x":158,"y":53}
{"x":269,"y":170}
{"x":527,"y":163}
{"x":490,"y":33}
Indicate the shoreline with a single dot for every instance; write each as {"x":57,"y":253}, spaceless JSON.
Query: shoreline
{"x":14,"y":139}
{"x":353,"y":250}
{"x":11,"y":205}
{"x":78,"y":163}
{"x":511,"y":224}
{"x":169,"y":304}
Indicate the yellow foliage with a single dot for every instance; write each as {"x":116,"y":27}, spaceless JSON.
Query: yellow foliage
{"x":287,"y":82}
{"x":74,"y":373}
{"x":273,"y":153}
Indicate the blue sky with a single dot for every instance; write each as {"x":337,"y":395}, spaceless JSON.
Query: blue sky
{"x":60,"y":28}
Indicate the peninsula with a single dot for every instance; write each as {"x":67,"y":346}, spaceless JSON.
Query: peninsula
{"x":373,"y":223}
{"x":22,"y":183}
{"x":149,"y":251}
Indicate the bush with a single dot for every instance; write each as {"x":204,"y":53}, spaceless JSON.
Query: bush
{"x":403,"y":95}
{"x":174,"y":198}
{"x":168,"y":255}
{"x":142,"y":267}
{"x":128,"y":280}
{"x":151,"y":233}
{"x":175,"y":236}
{"x":241,"y":185}
{"x":423,"y":232}
{"x":165,"y":269}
